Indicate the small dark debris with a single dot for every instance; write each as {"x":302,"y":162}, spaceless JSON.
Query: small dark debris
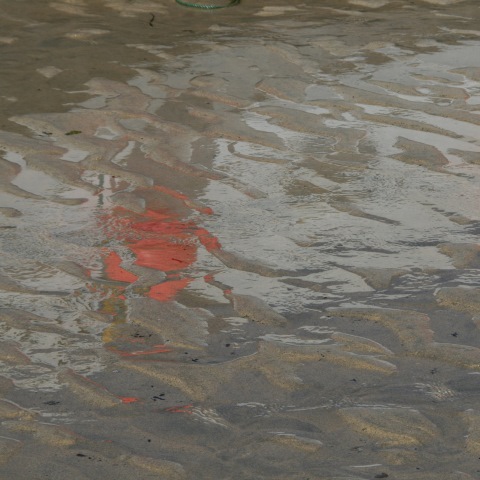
{"x":51,"y":402}
{"x":151,"y":19}
{"x":158,"y":397}
{"x":433,"y":371}
{"x":227,"y":344}
{"x":381,"y":475}
{"x":73,"y":132}
{"x":454,"y":334}
{"x":353,"y":380}
{"x":149,"y":440}
{"x":80,"y":455}
{"x":195,"y":360}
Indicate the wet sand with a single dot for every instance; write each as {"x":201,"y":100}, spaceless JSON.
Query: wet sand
{"x":240,"y":244}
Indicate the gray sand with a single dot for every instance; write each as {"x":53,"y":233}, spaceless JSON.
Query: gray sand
{"x":240,"y":244}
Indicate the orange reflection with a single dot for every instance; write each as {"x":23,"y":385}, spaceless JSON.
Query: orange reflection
{"x":157,"y":239}
{"x":166,"y":291}
{"x":180,"y":409}
{"x":129,"y":399}
{"x":114,"y":271}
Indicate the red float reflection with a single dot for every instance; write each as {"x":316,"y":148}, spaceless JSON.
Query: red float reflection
{"x":158,"y":240}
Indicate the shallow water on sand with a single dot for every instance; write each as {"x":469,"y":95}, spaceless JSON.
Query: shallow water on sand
{"x":240,"y":244}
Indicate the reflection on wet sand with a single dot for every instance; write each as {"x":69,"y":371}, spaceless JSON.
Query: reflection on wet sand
{"x":240,"y":244}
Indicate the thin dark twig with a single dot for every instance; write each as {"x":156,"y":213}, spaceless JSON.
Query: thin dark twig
{"x":151,"y":20}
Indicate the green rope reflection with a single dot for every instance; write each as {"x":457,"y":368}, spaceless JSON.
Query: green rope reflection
{"x":207,"y":6}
